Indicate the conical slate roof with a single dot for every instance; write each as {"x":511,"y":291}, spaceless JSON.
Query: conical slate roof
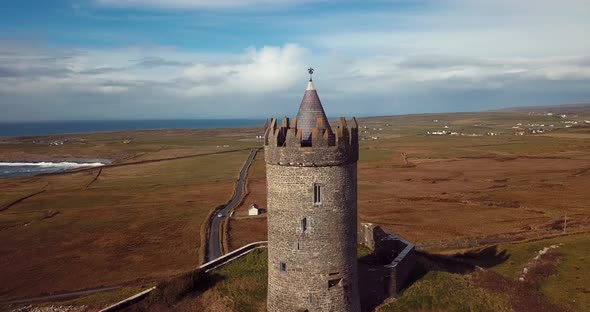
{"x":309,"y":111}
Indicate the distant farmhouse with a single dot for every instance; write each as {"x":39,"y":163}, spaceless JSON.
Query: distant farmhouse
{"x":254,"y":211}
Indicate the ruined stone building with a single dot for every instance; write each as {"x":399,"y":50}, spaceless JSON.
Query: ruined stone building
{"x":311,"y":172}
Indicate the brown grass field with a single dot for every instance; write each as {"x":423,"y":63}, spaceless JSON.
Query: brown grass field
{"x":134,"y":225}
{"x":245,"y":230}
{"x":456,"y":187}
{"x":140,"y":223}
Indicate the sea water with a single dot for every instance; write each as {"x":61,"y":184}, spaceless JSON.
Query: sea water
{"x":10,"y":129}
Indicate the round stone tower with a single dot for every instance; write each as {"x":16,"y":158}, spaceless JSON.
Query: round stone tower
{"x":311,"y":174}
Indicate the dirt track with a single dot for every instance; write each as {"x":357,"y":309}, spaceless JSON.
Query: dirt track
{"x":18,"y":200}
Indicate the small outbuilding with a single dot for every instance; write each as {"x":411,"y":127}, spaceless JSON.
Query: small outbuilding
{"x":254,"y":211}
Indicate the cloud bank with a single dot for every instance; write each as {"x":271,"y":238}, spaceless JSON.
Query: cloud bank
{"x":450,"y":55}
{"x":164,"y":83}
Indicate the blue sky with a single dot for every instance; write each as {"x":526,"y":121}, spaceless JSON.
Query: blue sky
{"x":120,"y":59}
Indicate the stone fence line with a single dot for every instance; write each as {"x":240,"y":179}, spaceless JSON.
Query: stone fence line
{"x":209,"y":266}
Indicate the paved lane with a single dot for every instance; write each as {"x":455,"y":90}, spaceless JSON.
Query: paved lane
{"x":214,"y":242}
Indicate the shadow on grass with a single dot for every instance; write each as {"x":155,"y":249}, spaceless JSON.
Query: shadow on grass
{"x":485,"y":258}
{"x":461,"y":263}
{"x":373,"y":292}
{"x":171,"y":291}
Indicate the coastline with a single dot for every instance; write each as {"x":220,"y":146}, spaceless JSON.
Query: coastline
{"x":23,"y":157}
{"x":115,"y":147}
{"x":53,"y":128}
{"x":30,"y":169}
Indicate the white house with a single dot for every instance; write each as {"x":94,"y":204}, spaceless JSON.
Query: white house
{"x":253,"y":210}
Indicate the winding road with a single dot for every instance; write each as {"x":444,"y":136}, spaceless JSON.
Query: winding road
{"x":214,"y":242}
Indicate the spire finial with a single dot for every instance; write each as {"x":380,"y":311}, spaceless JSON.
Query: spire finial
{"x":310,"y":71}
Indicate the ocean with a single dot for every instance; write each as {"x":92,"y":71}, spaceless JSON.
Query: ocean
{"x":11,"y":129}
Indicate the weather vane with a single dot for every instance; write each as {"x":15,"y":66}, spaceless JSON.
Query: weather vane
{"x":310,"y":71}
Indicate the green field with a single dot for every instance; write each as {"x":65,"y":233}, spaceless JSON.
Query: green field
{"x":569,"y":287}
{"x":242,"y":283}
{"x":441,"y":291}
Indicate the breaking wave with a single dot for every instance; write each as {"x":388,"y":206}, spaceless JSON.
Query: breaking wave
{"x":23,"y":169}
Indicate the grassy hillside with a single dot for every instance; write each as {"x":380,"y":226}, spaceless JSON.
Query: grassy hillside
{"x":440,"y":291}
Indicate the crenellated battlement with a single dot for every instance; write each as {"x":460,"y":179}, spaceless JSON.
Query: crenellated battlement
{"x":284,"y":145}
{"x":287,"y":134}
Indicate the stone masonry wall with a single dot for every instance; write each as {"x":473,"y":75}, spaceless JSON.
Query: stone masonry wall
{"x":396,"y":255}
{"x":312,"y":248}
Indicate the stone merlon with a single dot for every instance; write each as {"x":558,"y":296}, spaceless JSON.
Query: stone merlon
{"x":284,"y":144}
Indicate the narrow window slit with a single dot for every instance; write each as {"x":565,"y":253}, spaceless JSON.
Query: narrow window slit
{"x":317,"y":194}
{"x":334,"y":282}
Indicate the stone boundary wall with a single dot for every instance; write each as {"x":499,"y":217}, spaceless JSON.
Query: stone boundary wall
{"x":397,"y":257}
{"x":18,"y":200}
{"x":211,"y":265}
{"x":231,"y":256}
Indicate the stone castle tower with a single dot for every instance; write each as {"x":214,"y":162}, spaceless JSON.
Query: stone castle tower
{"x":311,"y":174}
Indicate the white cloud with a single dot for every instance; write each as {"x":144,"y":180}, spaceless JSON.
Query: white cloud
{"x":256,"y":71}
{"x":264,"y":75}
{"x":265,"y":70}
